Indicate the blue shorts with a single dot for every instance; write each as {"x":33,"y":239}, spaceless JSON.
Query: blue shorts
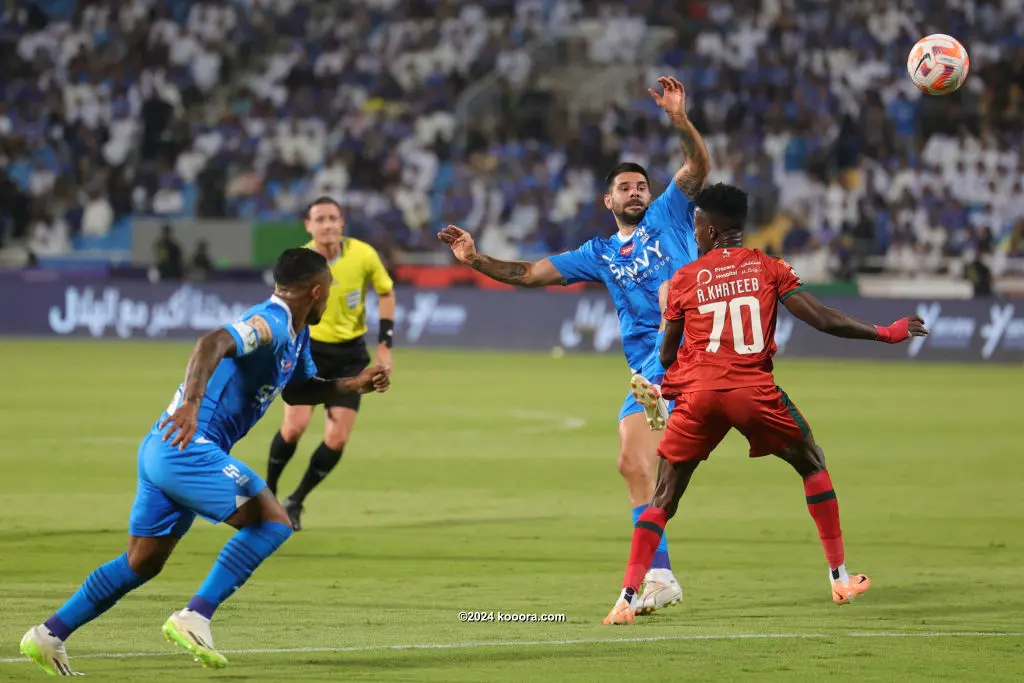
{"x":653,"y":372}
{"x":174,"y":486}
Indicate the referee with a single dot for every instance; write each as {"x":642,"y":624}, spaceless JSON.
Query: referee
{"x":338,"y":348}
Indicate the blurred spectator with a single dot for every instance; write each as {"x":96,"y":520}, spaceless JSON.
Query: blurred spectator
{"x":979,"y":275}
{"x":98,"y":216}
{"x":168,"y":256}
{"x":249,"y":110}
{"x":202,"y":263}
{"x":51,"y":236}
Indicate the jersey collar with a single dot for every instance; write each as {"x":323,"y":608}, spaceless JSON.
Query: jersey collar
{"x":274,"y":298}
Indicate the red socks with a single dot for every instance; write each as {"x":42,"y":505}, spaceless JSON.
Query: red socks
{"x":821,"y":503}
{"x":646,"y":536}
{"x":824,"y":508}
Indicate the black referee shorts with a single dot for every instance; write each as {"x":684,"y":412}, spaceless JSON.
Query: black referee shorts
{"x":341,"y":359}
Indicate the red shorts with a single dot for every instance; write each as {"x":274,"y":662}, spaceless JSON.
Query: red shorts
{"x":701,"y":419}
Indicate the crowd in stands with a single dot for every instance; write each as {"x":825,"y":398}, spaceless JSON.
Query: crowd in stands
{"x":249,"y":108}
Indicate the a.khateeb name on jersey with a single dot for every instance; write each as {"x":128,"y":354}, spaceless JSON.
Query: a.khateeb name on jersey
{"x":725,"y":289}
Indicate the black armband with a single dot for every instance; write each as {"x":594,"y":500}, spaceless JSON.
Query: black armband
{"x":387,"y":332}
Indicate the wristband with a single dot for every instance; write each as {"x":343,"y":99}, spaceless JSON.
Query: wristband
{"x":894,"y":334}
{"x":387,"y":332}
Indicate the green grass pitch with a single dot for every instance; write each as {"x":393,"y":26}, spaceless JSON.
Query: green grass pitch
{"x":487,"y":482}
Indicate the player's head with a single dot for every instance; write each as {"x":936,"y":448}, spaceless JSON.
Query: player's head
{"x":303,"y":278}
{"x":325,"y":221}
{"x":628,"y":193}
{"x":720,"y":216}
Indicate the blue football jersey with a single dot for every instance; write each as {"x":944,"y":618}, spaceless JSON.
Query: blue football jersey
{"x":242,"y":388}
{"x":633,"y":268}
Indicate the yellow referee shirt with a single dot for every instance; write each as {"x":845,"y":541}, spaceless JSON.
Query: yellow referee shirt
{"x":356,"y":268}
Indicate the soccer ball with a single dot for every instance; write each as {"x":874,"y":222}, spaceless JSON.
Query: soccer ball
{"x":938,"y":64}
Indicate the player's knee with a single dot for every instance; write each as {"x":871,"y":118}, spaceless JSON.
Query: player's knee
{"x":814,"y":466}
{"x":335,"y":442}
{"x":338,"y":426}
{"x":634,"y":467}
{"x":146,"y":565}
{"x":336,"y":435}
{"x":279,"y":516}
{"x":271,"y":510}
{"x":292,"y":430}
{"x":296,"y":420}
{"x":628,"y":464}
{"x":807,"y":461}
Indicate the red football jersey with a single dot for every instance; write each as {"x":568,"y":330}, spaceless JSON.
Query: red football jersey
{"x":728,"y":300}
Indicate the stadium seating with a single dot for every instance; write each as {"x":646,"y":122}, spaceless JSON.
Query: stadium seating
{"x":501,"y":115}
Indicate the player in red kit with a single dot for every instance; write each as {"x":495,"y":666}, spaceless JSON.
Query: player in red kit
{"x":725,"y":304}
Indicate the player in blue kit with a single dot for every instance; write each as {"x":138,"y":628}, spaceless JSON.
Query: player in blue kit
{"x":654,"y":239}
{"x":184,"y":466}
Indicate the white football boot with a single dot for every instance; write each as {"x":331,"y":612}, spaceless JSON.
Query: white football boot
{"x":191,"y":631}
{"x":660,"y":590}
{"x":649,"y":397}
{"x":47,"y":650}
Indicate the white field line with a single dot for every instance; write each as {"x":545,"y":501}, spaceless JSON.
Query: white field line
{"x":552,"y":643}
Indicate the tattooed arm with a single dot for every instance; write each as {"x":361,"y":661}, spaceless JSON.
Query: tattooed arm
{"x":209,"y":351}
{"x":690,"y":178}
{"x":519,"y":273}
{"x":238,"y":339}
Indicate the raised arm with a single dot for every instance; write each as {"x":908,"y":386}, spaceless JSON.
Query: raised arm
{"x":519,"y":273}
{"x":810,"y":310}
{"x":694,"y":171}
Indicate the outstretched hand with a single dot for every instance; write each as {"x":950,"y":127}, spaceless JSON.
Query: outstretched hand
{"x":461,"y":243}
{"x":902,"y":330}
{"x":673,"y":98}
{"x":916,"y":326}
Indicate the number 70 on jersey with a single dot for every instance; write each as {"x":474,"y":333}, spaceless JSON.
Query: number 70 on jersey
{"x":733,"y":310}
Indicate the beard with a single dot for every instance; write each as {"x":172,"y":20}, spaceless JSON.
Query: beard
{"x":631,"y":215}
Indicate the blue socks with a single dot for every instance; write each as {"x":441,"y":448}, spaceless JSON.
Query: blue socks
{"x":111,"y":582}
{"x":104,"y":587}
{"x":660,"y":560}
{"x":237,"y":561}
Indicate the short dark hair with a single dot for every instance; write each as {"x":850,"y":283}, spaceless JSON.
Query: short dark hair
{"x":323,"y":200}
{"x":298,"y":266}
{"x":625,"y":167}
{"x":726,"y":202}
